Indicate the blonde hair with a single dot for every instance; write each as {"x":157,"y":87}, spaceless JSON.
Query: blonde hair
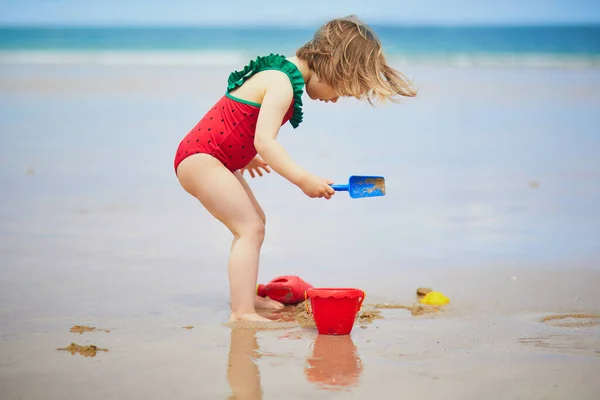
{"x":347,"y":55}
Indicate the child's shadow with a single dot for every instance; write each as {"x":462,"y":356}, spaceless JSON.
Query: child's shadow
{"x":243,"y":374}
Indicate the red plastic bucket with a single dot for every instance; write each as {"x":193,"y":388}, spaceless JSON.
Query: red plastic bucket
{"x":334,"y":309}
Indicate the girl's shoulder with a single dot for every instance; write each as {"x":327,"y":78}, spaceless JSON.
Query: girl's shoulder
{"x":272,"y":62}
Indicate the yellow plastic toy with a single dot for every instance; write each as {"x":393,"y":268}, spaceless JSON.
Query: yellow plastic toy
{"x":435,"y":299}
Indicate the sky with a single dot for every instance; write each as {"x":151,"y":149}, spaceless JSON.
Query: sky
{"x":300,"y":12}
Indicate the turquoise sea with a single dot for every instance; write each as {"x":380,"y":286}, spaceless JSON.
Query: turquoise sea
{"x":466,"y":45}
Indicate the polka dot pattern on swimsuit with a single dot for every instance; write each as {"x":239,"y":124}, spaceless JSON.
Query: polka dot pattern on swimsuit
{"x":226,"y":132}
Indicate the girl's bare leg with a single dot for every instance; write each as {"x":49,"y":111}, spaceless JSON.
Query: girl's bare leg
{"x":207,"y":179}
{"x":259,"y":302}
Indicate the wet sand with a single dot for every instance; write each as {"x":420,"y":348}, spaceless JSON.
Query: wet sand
{"x":492,"y":198}
{"x":444,"y":355}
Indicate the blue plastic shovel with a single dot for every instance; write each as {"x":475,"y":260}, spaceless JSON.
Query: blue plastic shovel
{"x":363,"y":186}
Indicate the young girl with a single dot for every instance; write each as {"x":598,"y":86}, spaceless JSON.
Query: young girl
{"x":239,"y":133}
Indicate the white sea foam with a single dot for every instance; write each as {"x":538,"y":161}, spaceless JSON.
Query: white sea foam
{"x":501,"y":60}
{"x":236,"y":58}
{"x":124,"y":58}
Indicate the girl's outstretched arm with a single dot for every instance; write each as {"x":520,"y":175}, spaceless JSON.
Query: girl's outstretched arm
{"x":276,"y":101}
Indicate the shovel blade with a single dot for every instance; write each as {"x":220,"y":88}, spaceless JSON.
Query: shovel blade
{"x":366,"y":186}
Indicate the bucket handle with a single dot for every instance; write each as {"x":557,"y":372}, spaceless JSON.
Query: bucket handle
{"x":306,"y":302}
{"x":360,"y":302}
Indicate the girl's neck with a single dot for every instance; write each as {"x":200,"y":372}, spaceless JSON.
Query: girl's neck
{"x":302,"y":66}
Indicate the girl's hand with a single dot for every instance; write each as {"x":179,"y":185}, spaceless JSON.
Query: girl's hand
{"x":255,"y":165}
{"x":313,"y":186}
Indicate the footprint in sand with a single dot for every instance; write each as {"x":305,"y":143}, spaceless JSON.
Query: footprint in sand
{"x":86,"y":351}
{"x":572,"y":320}
{"x":567,"y":342}
{"x":82,"y":328}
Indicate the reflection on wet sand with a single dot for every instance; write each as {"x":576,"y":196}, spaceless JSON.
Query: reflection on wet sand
{"x":243,"y":374}
{"x":334,"y":363}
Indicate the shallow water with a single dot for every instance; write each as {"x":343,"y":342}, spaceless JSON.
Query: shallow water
{"x":492,"y":197}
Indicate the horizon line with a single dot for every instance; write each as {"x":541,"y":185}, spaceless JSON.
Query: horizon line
{"x":307,"y":25}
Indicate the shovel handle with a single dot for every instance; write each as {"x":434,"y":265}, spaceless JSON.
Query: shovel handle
{"x":340,"y":188}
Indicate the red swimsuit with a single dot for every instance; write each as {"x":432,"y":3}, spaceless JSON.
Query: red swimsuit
{"x":227,"y":131}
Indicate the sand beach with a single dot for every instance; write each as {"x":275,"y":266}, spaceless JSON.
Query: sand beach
{"x":492,"y":198}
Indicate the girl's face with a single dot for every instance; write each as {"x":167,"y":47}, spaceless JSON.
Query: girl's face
{"x":317,"y":89}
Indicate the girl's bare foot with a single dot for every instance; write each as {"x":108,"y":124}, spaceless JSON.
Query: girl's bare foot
{"x":248,"y":317}
{"x":265,"y":303}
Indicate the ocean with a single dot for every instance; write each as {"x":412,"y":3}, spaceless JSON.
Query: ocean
{"x":536,"y":46}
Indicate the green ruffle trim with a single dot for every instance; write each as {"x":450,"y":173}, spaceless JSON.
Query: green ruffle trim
{"x":277,"y":62}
